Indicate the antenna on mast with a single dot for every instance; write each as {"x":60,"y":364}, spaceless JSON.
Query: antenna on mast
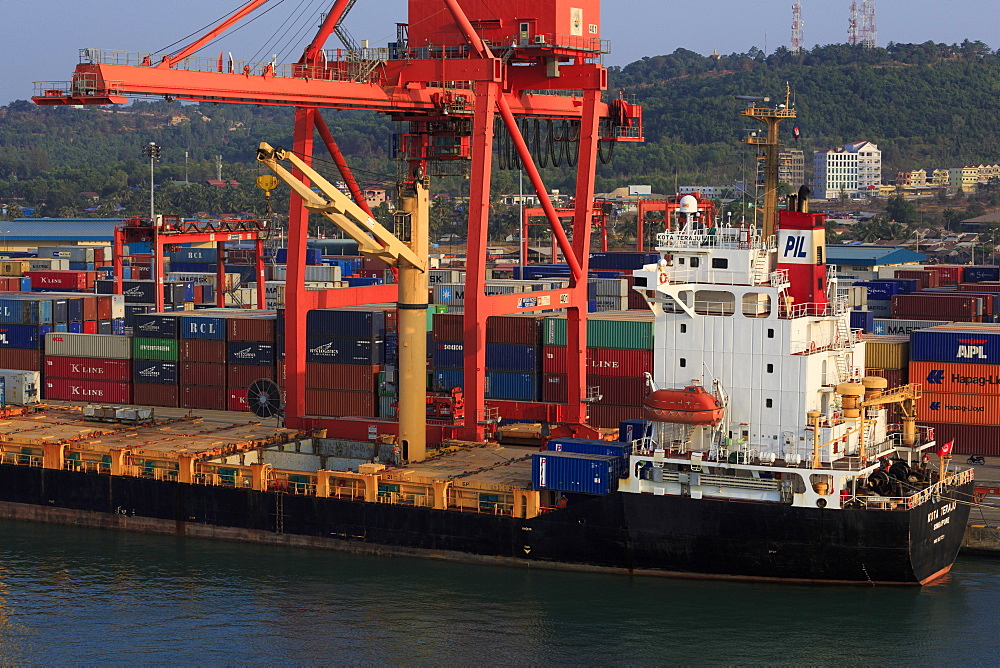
{"x":797,"y":26}
{"x":852,"y":25}
{"x":869,"y":30}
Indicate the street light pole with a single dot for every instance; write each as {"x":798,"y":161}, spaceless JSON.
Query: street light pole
{"x":151,"y":151}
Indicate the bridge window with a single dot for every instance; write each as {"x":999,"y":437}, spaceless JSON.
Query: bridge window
{"x":720,"y":263}
{"x":684,"y":328}
{"x":756,"y":305}
{"x":714,"y":302}
{"x":695,"y":262}
{"x":769,"y":403}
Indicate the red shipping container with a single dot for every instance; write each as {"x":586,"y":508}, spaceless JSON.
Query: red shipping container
{"x":62,"y":280}
{"x":350,"y":377}
{"x":89,"y":327}
{"x":244,"y":376}
{"x":148,"y":394}
{"x":89,"y":308}
{"x":85,"y":368}
{"x":20,"y":359}
{"x":259,"y":330}
{"x":9,"y":284}
{"x":927,"y":279}
{"x":141,"y":273}
{"x":514,"y":329}
{"x":959,"y":408}
{"x":554,"y":389}
{"x":970,"y":439}
{"x":948,"y":274}
{"x":957,"y":378}
{"x":448,"y":327}
{"x":196,"y":350}
{"x":337,"y":403}
{"x":68,"y":389}
{"x":103,"y":307}
{"x":937,"y":303}
{"x":611,"y":416}
{"x":938,"y":317}
{"x":207,"y":398}
{"x":601,"y":361}
{"x":203,"y":373}
{"x":279,"y":373}
{"x":618,"y":391}
{"x":237,"y":400}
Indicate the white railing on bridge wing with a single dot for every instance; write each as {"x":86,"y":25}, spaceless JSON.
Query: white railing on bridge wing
{"x":837,"y":306}
{"x":717,"y":237}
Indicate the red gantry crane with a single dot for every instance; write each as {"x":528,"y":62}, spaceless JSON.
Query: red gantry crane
{"x":454,"y":69}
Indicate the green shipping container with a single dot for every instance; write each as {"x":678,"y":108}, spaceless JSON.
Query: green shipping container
{"x":620,"y":334}
{"x":144,"y":348}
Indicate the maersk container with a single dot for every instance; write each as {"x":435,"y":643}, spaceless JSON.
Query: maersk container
{"x":512,"y":386}
{"x":96,"y":346}
{"x":155,"y":372}
{"x":20,"y":387}
{"x":86,"y":368}
{"x":144,"y":348}
{"x":346,"y":323}
{"x":880,"y":307}
{"x":23,"y":336}
{"x":572,"y":472}
{"x":250,"y":353}
{"x":66,"y":389}
{"x":155,"y":325}
{"x":202,"y":327}
{"x":972,"y":345}
{"x":343,"y":350}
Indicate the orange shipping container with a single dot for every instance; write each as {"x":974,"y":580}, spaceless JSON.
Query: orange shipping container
{"x":952,"y":378}
{"x":951,"y":408}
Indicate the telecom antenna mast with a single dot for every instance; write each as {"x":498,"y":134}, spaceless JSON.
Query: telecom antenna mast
{"x":797,"y":26}
{"x":852,"y":25}
{"x":869,"y":30}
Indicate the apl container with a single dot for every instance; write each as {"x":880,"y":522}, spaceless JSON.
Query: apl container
{"x":572,"y":472}
{"x":85,"y":368}
{"x":22,"y":336}
{"x":65,"y":389}
{"x":950,"y":343}
{"x":97,"y":346}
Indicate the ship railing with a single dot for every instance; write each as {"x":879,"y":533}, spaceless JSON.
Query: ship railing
{"x":406,"y":499}
{"x":837,"y":306}
{"x":717,"y":237}
{"x":222,"y":479}
{"x":21,"y":459}
{"x":919,"y":498}
{"x":87,"y":466}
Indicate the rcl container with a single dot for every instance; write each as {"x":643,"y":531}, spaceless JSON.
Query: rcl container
{"x":86,"y":368}
{"x":20,"y":388}
{"x":98,"y":346}
{"x":67,"y":389}
{"x":572,"y":472}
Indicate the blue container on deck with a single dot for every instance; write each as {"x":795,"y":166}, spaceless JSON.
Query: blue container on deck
{"x":202,"y":327}
{"x":246,"y":353}
{"x":325,"y":349}
{"x":60,"y":327}
{"x":391,"y":345}
{"x":75,"y":328}
{"x":154,"y":372}
{"x":863,"y":320}
{"x":512,"y":386}
{"x":118,"y":326}
{"x":572,"y":472}
{"x":907,"y":286}
{"x":513,"y":357}
{"x":348,"y":266}
{"x":447,"y":355}
{"x":626,"y":261}
{"x":879,"y":290}
{"x":23,"y":336}
{"x":979,"y":274}
{"x":194,"y":267}
{"x":589,"y":446}
{"x":972,"y":346}
{"x":81,"y":266}
{"x":346,"y":323}
{"x":361,"y":281}
{"x":138,"y":247}
{"x":634,"y":430}
{"x":155,"y":326}
{"x":105,"y":327}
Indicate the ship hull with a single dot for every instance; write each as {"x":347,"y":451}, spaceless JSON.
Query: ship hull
{"x":630,"y":533}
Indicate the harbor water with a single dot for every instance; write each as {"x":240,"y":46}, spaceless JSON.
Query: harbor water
{"x":82,"y":596}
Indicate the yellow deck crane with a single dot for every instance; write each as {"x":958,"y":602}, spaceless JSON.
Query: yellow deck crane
{"x":408,"y":254}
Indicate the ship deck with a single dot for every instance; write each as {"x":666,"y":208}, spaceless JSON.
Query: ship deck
{"x":483,"y":463}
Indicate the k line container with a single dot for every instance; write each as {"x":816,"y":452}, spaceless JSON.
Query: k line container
{"x":144,"y":348}
{"x":944,"y":343}
{"x":85,"y":368}
{"x":97,"y":346}
{"x":338,"y":403}
{"x":572,"y":472}
{"x":147,"y":394}
{"x":154,"y":372}
{"x":65,"y":389}
{"x":965,"y":408}
{"x":236,"y":400}
{"x":951,"y":378}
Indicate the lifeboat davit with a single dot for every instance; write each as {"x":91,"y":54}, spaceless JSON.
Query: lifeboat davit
{"x":692,"y":405}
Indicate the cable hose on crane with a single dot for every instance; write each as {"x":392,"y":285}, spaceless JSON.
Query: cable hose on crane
{"x":541,"y":149}
{"x":572,"y":154}
{"x":553,"y":151}
{"x":274,"y":39}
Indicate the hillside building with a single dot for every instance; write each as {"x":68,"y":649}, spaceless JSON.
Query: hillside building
{"x":853,"y":171}
{"x":791,"y":167}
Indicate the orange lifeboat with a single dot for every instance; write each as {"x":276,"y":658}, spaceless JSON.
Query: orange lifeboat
{"x":692,"y":405}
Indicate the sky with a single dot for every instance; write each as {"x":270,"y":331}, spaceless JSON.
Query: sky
{"x":42,"y":38}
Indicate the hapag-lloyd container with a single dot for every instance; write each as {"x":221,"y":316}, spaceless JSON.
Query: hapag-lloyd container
{"x":202,"y":373}
{"x":154,"y":372}
{"x":354,"y":377}
{"x":98,"y":346}
{"x":86,"y":368}
{"x":144,"y":348}
{"x":955,"y":378}
{"x":951,"y":343}
{"x":603,"y":361}
{"x":964,"y":408}
{"x":68,"y":389}
{"x":339,"y":403}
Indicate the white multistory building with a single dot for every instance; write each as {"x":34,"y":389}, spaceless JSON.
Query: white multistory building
{"x":854,"y":170}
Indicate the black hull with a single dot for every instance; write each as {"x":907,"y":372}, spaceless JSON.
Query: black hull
{"x":634,"y":533}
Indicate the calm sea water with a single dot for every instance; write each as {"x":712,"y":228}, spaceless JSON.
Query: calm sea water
{"x":78,"y":596}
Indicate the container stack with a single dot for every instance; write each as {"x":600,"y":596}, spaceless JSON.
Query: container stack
{"x":24,"y":321}
{"x":888,"y":357}
{"x":620,"y":351}
{"x":958,"y":366}
{"x":345,"y":349}
{"x":251,"y":355}
{"x":202,"y":362}
{"x":88,"y":367}
{"x":155,"y":368}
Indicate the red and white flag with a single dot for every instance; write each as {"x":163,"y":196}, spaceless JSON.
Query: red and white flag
{"x":945,"y":449}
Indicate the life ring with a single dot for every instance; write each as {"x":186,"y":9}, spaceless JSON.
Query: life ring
{"x":812,"y":346}
{"x":663,"y":277}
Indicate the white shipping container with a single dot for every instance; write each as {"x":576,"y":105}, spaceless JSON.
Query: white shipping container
{"x":893,"y":327}
{"x":611,"y":303}
{"x":610,"y":287}
{"x":199,"y":278}
{"x":314,"y":272}
{"x":442,"y":276}
{"x":20,"y":388}
{"x":95,"y":346}
{"x":242,"y":297}
{"x":44,"y":264}
{"x":69,"y":253}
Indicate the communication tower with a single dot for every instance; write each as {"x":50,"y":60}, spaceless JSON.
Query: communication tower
{"x":852,"y":25}
{"x":797,"y":26}
{"x":869,"y":31}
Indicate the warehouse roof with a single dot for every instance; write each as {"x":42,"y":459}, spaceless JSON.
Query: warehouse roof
{"x":60,"y":229}
{"x":872,"y":256}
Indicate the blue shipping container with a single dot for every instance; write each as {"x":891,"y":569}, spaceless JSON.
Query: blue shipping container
{"x":979,"y":274}
{"x":105,"y":327}
{"x":202,"y":327}
{"x":343,"y":350}
{"x":118,"y":326}
{"x":973,"y":345}
{"x":244,"y":353}
{"x":634,"y":430}
{"x":347,"y":323}
{"x":14,"y":311}
{"x":443,"y":380}
{"x":74,"y":309}
{"x":572,"y":472}
{"x":863,"y":320}
{"x":391,"y":345}
{"x":512,"y":386}
{"x":204,"y":255}
{"x":22,"y":336}
{"x":154,"y":325}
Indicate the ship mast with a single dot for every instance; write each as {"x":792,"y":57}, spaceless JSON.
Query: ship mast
{"x":769,"y":144}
